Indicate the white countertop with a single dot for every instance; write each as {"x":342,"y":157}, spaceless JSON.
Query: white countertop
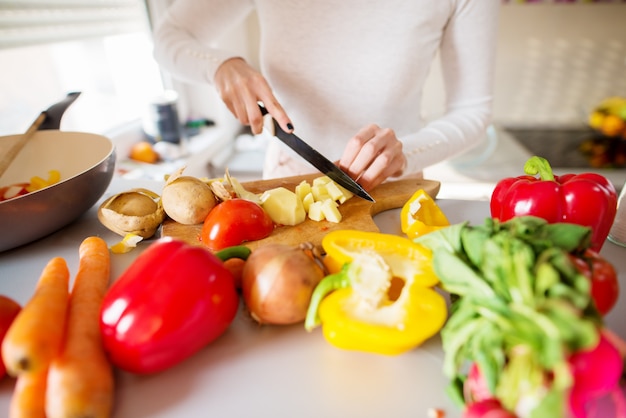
{"x":269,"y":371}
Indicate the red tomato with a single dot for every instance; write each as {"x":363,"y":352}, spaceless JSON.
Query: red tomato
{"x":172,"y":301}
{"x":8,"y":311}
{"x":13,"y":190}
{"x":604,"y":283}
{"x":233,"y":222}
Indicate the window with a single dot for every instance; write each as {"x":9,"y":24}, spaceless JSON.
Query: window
{"x":102,"y":48}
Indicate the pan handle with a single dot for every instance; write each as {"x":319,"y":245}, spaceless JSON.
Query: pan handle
{"x":55,"y":112}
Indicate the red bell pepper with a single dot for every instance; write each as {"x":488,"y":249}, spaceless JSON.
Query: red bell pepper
{"x":173,"y":300}
{"x":587,"y":199}
{"x":233,"y":222}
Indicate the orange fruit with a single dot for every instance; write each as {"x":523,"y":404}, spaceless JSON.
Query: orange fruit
{"x":143,"y":151}
{"x":613,"y":125}
{"x":596,"y":119}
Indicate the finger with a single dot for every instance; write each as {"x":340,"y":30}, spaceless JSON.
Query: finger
{"x":275,"y":109}
{"x":383,"y":167}
{"x":380,"y":145}
{"x":388,"y":162}
{"x":354,"y":148}
{"x":239,"y":111}
{"x":255,"y":118}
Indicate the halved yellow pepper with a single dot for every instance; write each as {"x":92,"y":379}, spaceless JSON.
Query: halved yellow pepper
{"x":341,"y":246}
{"x":382,"y":299}
{"x":421,"y":215}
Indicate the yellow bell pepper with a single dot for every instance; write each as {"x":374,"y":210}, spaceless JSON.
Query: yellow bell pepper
{"x":421,"y":215}
{"x":37,"y":183}
{"x":127,"y":244}
{"x":381,"y":300}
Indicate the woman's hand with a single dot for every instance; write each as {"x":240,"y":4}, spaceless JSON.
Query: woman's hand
{"x":241,"y":87}
{"x":373,"y":155}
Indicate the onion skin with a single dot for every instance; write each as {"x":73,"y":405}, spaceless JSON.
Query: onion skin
{"x":277,"y":283}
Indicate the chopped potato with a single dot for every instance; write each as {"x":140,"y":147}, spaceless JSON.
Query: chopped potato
{"x":319,"y":191}
{"x":303,"y":189}
{"x":335,"y":192}
{"x":319,"y":200}
{"x":283,"y":206}
{"x":321,"y":181}
{"x":307,"y":200}
{"x":330,"y":211}
{"x":315,"y":211}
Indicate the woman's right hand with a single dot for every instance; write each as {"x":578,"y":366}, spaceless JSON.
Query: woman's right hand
{"x":241,"y":87}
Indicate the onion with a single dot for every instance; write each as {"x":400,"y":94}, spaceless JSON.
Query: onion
{"x":278,"y":281}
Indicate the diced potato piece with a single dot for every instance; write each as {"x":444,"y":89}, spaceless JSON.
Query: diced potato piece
{"x":321,"y":181}
{"x":324,"y":197}
{"x":307,"y":200}
{"x":327,"y":186}
{"x":330,"y":211}
{"x":319,"y":191}
{"x":335,"y":192}
{"x":303,"y":189}
{"x":315,"y":211}
{"x":283,"y":206}
{"x":347,"y":193}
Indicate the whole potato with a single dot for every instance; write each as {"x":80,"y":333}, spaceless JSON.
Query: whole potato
{"x":187,"y":200}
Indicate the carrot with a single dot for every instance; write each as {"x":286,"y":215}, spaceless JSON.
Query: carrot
{"x":29,"y":394}
{"x":36,"y":334}
{"x":80,"y":379}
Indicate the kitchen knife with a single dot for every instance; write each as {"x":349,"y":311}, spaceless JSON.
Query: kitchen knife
{"x":318,"y":161}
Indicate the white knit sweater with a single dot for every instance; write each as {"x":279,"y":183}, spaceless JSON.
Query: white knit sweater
{"x":338,"y":65}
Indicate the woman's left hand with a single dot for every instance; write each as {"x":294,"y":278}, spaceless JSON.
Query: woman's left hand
{"x":373,"y":155}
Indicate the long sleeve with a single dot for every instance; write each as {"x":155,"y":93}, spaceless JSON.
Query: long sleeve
{"x":186,"y":37}
{"x":468,"y":58}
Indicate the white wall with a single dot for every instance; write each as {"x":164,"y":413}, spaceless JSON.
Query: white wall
{"x":555,"y":61}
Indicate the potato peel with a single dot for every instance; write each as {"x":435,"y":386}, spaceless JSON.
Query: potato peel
{"x":137,"y":211}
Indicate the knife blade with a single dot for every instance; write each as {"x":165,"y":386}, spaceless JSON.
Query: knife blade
{"x":317,"y":160}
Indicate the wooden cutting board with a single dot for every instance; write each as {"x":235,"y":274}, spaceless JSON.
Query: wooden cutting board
{"x":356,"y":213}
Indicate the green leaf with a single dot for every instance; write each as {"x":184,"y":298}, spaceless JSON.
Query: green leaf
{"x":455,"y":343}
{"x":575,"y":331}
{"x":455,"y":392}
{"x":543,"y":235}
{"x":488,"y":351}
{"x":509,"y":267}
{"x":568,"y":237}
{"x":457,"y":277}
{"x":546,"y":276}
{"x":551,"y":346}
{"x":448,"y":238}
{"x":473,"y":242}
